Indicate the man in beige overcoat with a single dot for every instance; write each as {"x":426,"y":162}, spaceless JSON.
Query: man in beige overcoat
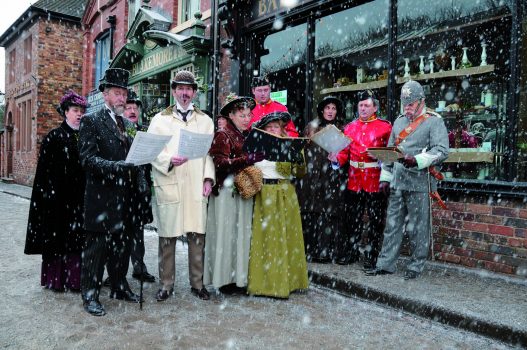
{"x":181,"y":188}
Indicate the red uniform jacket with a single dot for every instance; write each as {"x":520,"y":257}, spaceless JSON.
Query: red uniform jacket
{"x":374,"y":133}
{"x":272,"y":106}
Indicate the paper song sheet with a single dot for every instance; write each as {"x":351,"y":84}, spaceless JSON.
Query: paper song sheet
{"x":331,"y":139}
{"x":146,"y":147}
{"x":193,"y":145}
{"x":385,"y":154}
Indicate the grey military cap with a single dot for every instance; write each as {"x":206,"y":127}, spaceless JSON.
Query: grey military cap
{"x":411,"y":92}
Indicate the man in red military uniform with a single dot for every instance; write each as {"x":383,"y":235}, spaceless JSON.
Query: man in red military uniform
{"x":264,"y":104}
{"x":363,"y":182}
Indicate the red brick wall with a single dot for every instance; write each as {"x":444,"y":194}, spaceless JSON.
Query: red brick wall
{"x":480,"y":232}
{"x":56,"y":67}
{"x":95,"y":23}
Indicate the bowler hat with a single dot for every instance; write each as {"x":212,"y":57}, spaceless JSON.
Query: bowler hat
{"x":327,"y":100}
{"x":260,"y":81}
{"x":133,"y":98}
{"x":184,"y":77}
{"x":114,"y":77}
{"x":232,"y":99}
{"x":272,"y":117}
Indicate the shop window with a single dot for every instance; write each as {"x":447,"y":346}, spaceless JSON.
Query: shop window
{"x":102,"y":57}
{"x":282,"y":57}
{"x":28,"y":43}
{"x":155,"y":97}
{"x":459,"y":51}
{"x":188,"y":9}
{"x":351,"y":55}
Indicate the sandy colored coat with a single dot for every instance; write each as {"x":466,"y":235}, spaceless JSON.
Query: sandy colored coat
{"x":179,"y":204}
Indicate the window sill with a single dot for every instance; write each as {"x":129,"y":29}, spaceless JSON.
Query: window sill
{"x":470,"y":186}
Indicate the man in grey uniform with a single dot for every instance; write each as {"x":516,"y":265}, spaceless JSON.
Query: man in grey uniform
{"x":422,"y":137}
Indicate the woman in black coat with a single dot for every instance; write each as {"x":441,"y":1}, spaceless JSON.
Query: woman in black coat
{"x":56,"y":211}
{"x":320,"y":191}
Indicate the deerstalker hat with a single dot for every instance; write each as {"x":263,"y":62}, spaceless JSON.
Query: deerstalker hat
{"x":184,"y":77}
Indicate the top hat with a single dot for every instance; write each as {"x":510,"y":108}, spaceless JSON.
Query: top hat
{"x":232,"y":99}
{"x":327,"y":100}
{"x":260,"y":81}
{"x":133,"y":98}
{"x":366,"y":94}
{"x":114,"y":77}
{"x":272,"y":117}
{"x":411,"y":92}
{"x":184,"y":77}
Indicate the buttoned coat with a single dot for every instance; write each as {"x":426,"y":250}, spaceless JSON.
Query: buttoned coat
{"x":109,"y":184}
{"x":178,"y":204}
{"x":428,"y":144}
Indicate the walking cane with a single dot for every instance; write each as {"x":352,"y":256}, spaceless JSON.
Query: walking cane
{"x":141,"y":279}
{"x":430,"y":213}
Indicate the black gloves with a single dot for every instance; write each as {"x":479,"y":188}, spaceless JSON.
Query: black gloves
{"x":408,"y":161}
{"x":255,"y":157}
{"x":384,"y":187}
{"x":123,"y":166}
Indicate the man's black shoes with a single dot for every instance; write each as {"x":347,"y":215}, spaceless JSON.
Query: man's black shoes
{"x":146,"y":277}
{"x":126,"y":295}
{"x":410,"y":275}
{"x":375,"y":272}
{"x":164,"y":294}
{"x":94,"y":307}
{"x":202,"y":293}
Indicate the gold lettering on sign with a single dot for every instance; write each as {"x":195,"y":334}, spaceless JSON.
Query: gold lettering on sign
{"x":262,"y":8}
{"x":266,"y":7}
{"x":157,"y":59}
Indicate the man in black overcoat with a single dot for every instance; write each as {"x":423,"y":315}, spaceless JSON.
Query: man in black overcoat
{"x":110,"y":184}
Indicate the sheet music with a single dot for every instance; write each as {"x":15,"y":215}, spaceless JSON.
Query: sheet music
{"x":385,"y":154}
{"x":146,"y":147}
{"x":331,"y":139}
{"x":193,"y":145}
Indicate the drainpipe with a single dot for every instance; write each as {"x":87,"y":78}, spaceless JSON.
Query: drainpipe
{"x":112,"y":19}
{"x":215,"y":39}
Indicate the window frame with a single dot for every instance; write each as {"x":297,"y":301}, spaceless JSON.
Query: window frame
{"x":311,"y":11}
{"x":98,"y":63}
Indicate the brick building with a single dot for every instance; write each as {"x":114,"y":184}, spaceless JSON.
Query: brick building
{"x":466,"y":54}
{"x":153,"y":40}
{"x":43,"y":60}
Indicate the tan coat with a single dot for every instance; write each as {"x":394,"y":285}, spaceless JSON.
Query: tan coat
{"x":179,"y":204}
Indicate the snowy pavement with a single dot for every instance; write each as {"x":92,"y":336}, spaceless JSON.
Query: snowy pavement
{"x":35,"y":318}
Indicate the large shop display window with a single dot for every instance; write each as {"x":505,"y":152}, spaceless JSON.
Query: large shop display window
{"x":283,"y":60}
{"x":457,"y":49}
{"x":351,"y":55}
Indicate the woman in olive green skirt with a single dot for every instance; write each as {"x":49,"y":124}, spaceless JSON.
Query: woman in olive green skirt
{"x":277,"y":262}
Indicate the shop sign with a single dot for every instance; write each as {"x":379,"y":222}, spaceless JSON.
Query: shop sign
{"x":265,"y":8}
{"x":157,"y":59}
{"x":280,"y":96}
{"x":95,"y":102}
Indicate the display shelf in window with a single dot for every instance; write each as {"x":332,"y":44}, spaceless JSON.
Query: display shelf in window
{"x":450,"y":73}
{"x":470,"y":155}
{"x":357,"y":87}
{"x":401,"y":80}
